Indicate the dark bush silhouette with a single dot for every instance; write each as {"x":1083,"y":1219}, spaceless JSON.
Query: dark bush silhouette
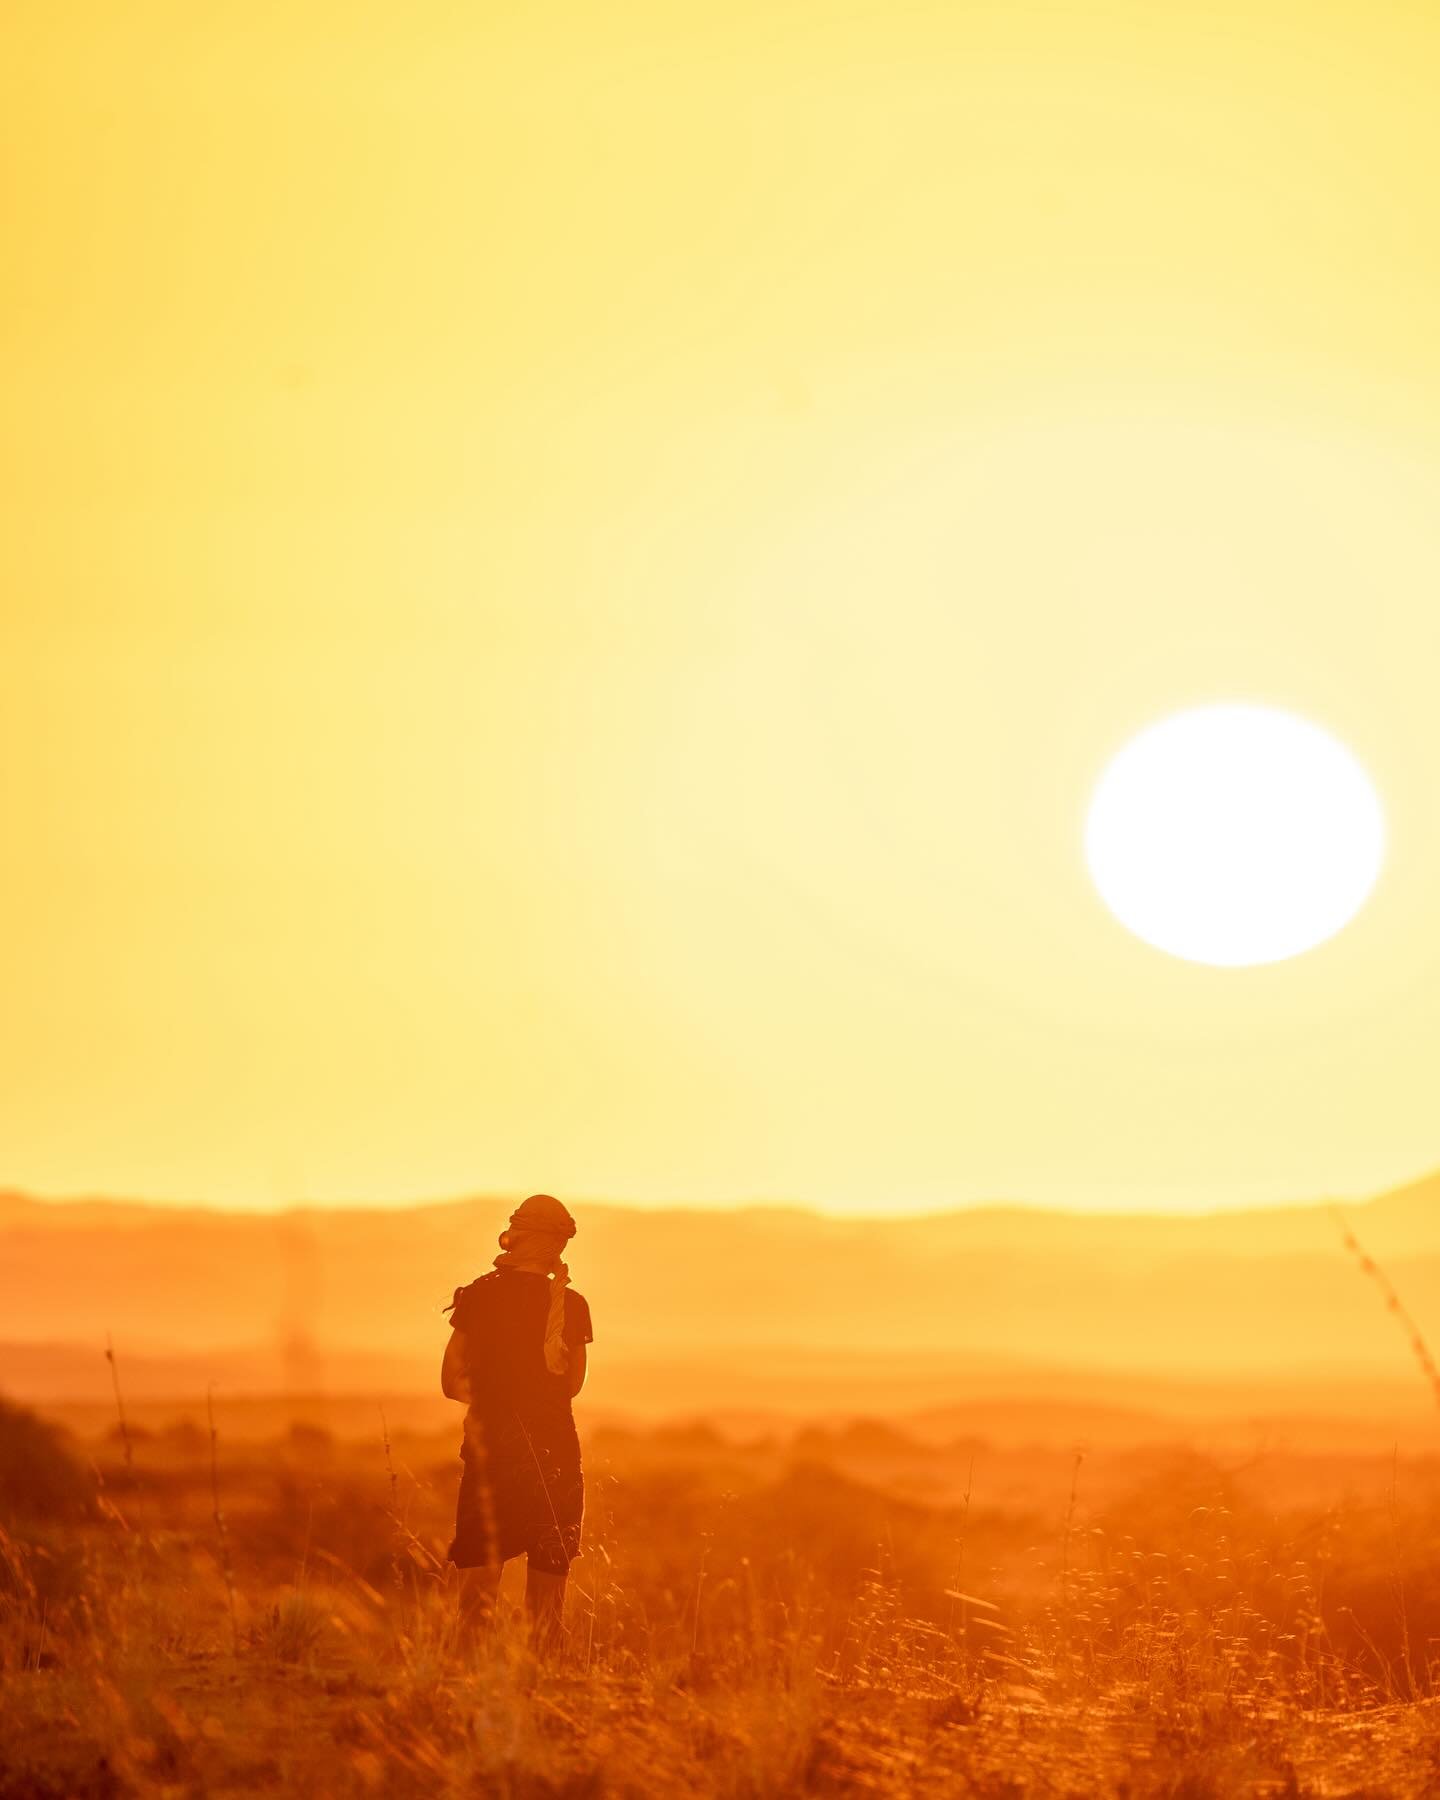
{"x":39,"y":1476}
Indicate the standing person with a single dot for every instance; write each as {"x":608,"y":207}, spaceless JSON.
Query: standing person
{"x":517,"y":1355}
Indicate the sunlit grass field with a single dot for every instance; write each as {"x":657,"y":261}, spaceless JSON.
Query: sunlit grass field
{"x":836,"y":1611}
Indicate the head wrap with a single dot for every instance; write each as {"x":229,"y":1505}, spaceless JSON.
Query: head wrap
{"x":538,"y":1231}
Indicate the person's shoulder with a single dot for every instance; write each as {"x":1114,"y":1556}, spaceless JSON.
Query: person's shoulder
{"x":470,"y":1296}
{"x":478,"y":1285}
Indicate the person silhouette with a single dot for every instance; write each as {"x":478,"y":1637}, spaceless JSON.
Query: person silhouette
{"x":517,"y":1357}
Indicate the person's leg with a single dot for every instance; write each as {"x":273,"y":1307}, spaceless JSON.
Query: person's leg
{"x":479,"y":1590}
{"x":545,"y":1603}
{"x":474,"y":1545}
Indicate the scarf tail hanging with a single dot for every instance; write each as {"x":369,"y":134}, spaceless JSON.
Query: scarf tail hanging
{"x":557,"y":1352}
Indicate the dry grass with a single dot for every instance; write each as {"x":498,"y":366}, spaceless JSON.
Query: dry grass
{"x":742,"y":1624}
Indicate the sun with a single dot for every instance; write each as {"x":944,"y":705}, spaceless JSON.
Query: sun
{"x":1234,"y":835}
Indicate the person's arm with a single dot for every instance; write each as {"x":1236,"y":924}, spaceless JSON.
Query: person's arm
{"x":454,"y":1370}
{"x":576,"y":1375}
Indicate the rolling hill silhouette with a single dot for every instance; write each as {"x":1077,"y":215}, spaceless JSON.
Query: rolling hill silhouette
{"x":352,"y":1298}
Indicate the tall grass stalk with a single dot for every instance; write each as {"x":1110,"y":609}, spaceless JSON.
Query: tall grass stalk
{"x":226,"y":1569}
{"x":120,"y":1408}
{"x":1421,"y":1349}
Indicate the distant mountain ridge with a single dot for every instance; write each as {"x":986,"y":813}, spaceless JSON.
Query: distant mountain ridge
{"x":1409,"y":1215}
{"x":1219,"y":1292}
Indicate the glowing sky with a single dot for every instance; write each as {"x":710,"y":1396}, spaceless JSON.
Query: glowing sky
{"x":569,"y":571}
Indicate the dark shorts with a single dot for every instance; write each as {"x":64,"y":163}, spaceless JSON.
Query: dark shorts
{"x":522,"y":1492}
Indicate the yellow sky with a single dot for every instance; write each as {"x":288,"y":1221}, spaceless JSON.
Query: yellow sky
{"x":568,"y":573}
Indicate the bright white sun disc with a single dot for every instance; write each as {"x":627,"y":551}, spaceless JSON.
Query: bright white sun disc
{"x":1234,"y":835}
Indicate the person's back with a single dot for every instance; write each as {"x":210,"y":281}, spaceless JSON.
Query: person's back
{"x":503,"y":1317}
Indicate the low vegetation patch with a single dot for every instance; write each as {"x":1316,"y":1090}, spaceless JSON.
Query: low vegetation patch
{"x":742,"y":1624}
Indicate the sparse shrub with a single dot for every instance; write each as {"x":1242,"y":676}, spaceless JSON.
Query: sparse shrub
{"x":185,"y":1436}
{"x":293,"y":1629}
{"x":129,"y":1433}
{"x":310,"y":1439}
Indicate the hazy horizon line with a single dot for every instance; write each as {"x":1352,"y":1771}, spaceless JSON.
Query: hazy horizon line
{"x":765,"y":1204}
